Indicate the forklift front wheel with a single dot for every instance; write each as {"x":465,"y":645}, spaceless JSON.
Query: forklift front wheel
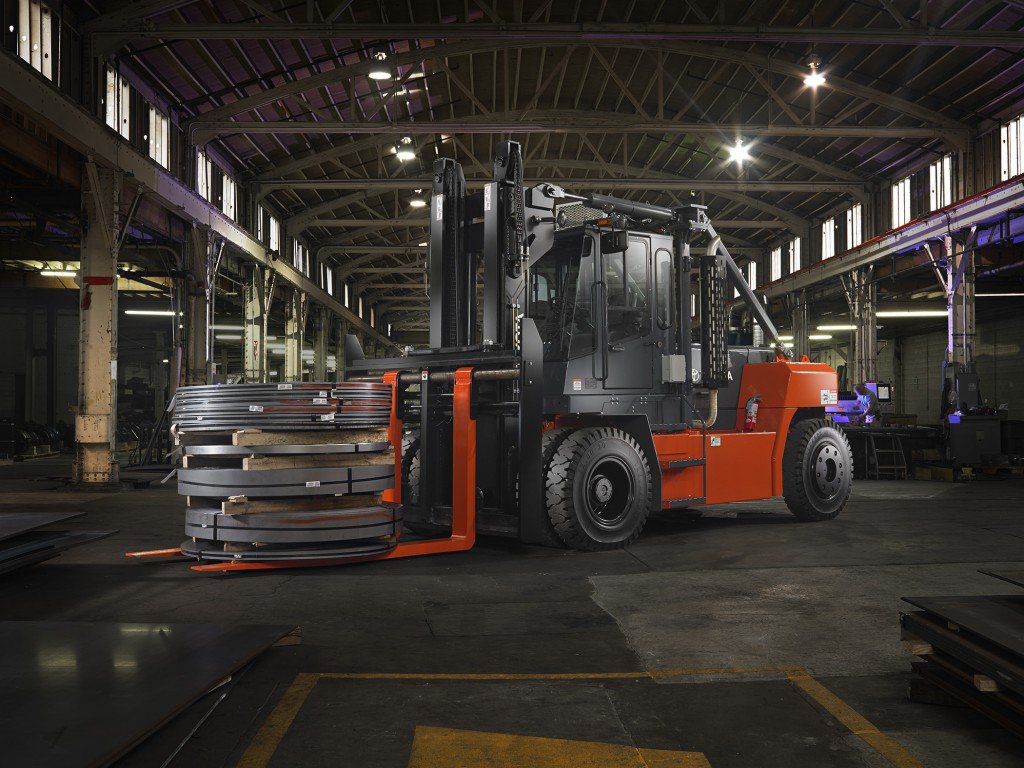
{"x":817,"y":470}
{"x":598,"y":489}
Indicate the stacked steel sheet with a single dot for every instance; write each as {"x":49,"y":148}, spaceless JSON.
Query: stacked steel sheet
{"x":309,"y":491}
{"x":971,"y":650}
{"x":286,"y":406}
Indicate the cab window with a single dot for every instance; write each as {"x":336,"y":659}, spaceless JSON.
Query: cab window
{"x":627,"y":288}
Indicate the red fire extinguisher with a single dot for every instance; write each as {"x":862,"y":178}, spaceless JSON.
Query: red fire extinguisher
{"x":750,"y":424}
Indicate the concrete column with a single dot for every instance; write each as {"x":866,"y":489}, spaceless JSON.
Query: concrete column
{"x":341,"y":331}
{"x":321,"y":339}
{"x":865,"y":338}
{"x":95,"y":436}
{"x":294,"y":333}
{"x":801,"y":325}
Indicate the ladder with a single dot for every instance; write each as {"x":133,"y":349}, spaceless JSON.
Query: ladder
{"x":885,"y":457}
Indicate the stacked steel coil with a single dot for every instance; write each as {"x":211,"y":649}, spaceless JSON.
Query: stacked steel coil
{"x":287,"y":406}
{"x":301,"y":497}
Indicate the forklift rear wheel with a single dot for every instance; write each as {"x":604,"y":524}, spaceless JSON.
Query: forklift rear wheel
{"x":817,"y":470}
{"x":598,"y":489}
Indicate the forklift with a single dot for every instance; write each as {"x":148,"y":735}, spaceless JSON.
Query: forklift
{"x":563,"y":398}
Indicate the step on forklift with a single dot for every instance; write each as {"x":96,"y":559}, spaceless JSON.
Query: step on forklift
{"x":562,"y":398}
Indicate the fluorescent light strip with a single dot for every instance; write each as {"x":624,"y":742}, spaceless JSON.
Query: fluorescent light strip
{"x":57,"y":273}
{"x":837,"y":327}
{"x":820,"y":336}
{"x":998,"y":295}
{"x":150,"y":312}
{"x":227,"y":337}
{"x":912,"y":313}
{"x":228,"y":328}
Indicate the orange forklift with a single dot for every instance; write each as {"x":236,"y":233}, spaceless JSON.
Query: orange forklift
{"x":563,"y":397}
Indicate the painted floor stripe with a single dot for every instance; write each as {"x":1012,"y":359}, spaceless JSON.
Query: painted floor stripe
{"x":268,"y":738}
{"x":887,"y":746}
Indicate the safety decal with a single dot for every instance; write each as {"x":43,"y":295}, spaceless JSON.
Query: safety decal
{"x":829,"y":397}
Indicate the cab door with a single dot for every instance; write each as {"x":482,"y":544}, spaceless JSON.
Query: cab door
{"x":629,"y":346}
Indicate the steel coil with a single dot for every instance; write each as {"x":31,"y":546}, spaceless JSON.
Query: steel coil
{"x":309,"y":527}
{"x":214,"y":551}
{"x":307,"y":481}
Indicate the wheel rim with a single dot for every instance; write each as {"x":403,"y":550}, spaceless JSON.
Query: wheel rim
{"x":827,"y":471}
{"x":610,"y":491}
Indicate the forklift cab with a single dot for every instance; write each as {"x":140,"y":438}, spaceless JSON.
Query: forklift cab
{"x":602,"y":302}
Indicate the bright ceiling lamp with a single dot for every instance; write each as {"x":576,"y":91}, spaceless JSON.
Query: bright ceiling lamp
{"x":837,"y":327}
{"x":912,"y":313}
{"x":418,"y":202}
{"x":980,"y":295}
{"x":404,"y":150}
{"x":786,"y":338}
{"x":380,"y":71}
{"x":739,"y":153}
{"x":422,"y":245}
{"x":57,"y":273}
{"x":150,"y":312}
{"x":227,"y":328}
{"x":820,"y":336}
{"x":814,"y":78}
{"x":227,"y":337}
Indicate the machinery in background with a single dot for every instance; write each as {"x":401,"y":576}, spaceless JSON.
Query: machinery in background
{"x":847,"y":407}
{"x":973,"y":430}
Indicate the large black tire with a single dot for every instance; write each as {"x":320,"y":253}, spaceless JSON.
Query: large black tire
{"x":550,"y":441}
{"x":817,"y":470}
{"x":598,"y":489}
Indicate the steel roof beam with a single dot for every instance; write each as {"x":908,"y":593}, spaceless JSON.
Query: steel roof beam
{"x":840,"y":187}
{"x":566,"y":121}
{"x":701,"y":50}
{"x":606,"y":33}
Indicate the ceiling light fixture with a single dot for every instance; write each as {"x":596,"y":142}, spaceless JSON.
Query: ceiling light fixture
{"x":227,"y":337}
{"x":404,"y":149}
{"x":837,"y":327}
{"x":57,"y":273}
{"x":380,"y":71}
{"x":739,"y":153}
{"x":820,"y":336}
{"x":814,"y":78}
{"x":150,"y":312}
{"x":998,"y":295}
{"x":418,"y":202}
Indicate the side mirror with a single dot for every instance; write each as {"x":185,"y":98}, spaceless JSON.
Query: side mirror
{"x":616,"y":241}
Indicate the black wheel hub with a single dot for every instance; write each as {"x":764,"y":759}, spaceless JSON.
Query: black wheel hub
{"x":610,"y":491}
{"x":828,"y":470}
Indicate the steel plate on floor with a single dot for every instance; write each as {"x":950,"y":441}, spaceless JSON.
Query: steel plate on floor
{"x":997,"y":618}
{"x":83,"y":694}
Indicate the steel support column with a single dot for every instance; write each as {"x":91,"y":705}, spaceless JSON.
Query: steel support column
{"x":294,"y":333}
{"x":197,"y":332}
{"x":865,"y":337}
{"x":258,"y":296}
{"x":321,"y":343}
{"x":960,"y":302}
{"x":95,"y":423}
{"x":341,"y":331}
{"x":801,"y":325}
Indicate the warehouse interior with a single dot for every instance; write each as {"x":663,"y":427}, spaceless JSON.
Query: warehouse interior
{"x":272,"y":263}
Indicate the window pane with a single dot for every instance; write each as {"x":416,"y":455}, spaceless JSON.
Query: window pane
{"x":627,"y":290}
{"x":663,"y":279}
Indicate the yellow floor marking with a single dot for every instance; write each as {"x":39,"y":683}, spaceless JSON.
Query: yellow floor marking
{"x":887,"y":746}
{"x":269,"y":736}
{"x":451,"y":748}
{"x":640,"y":675}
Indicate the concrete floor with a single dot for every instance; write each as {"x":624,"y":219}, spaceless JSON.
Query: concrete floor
{"x":743,"y":588}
